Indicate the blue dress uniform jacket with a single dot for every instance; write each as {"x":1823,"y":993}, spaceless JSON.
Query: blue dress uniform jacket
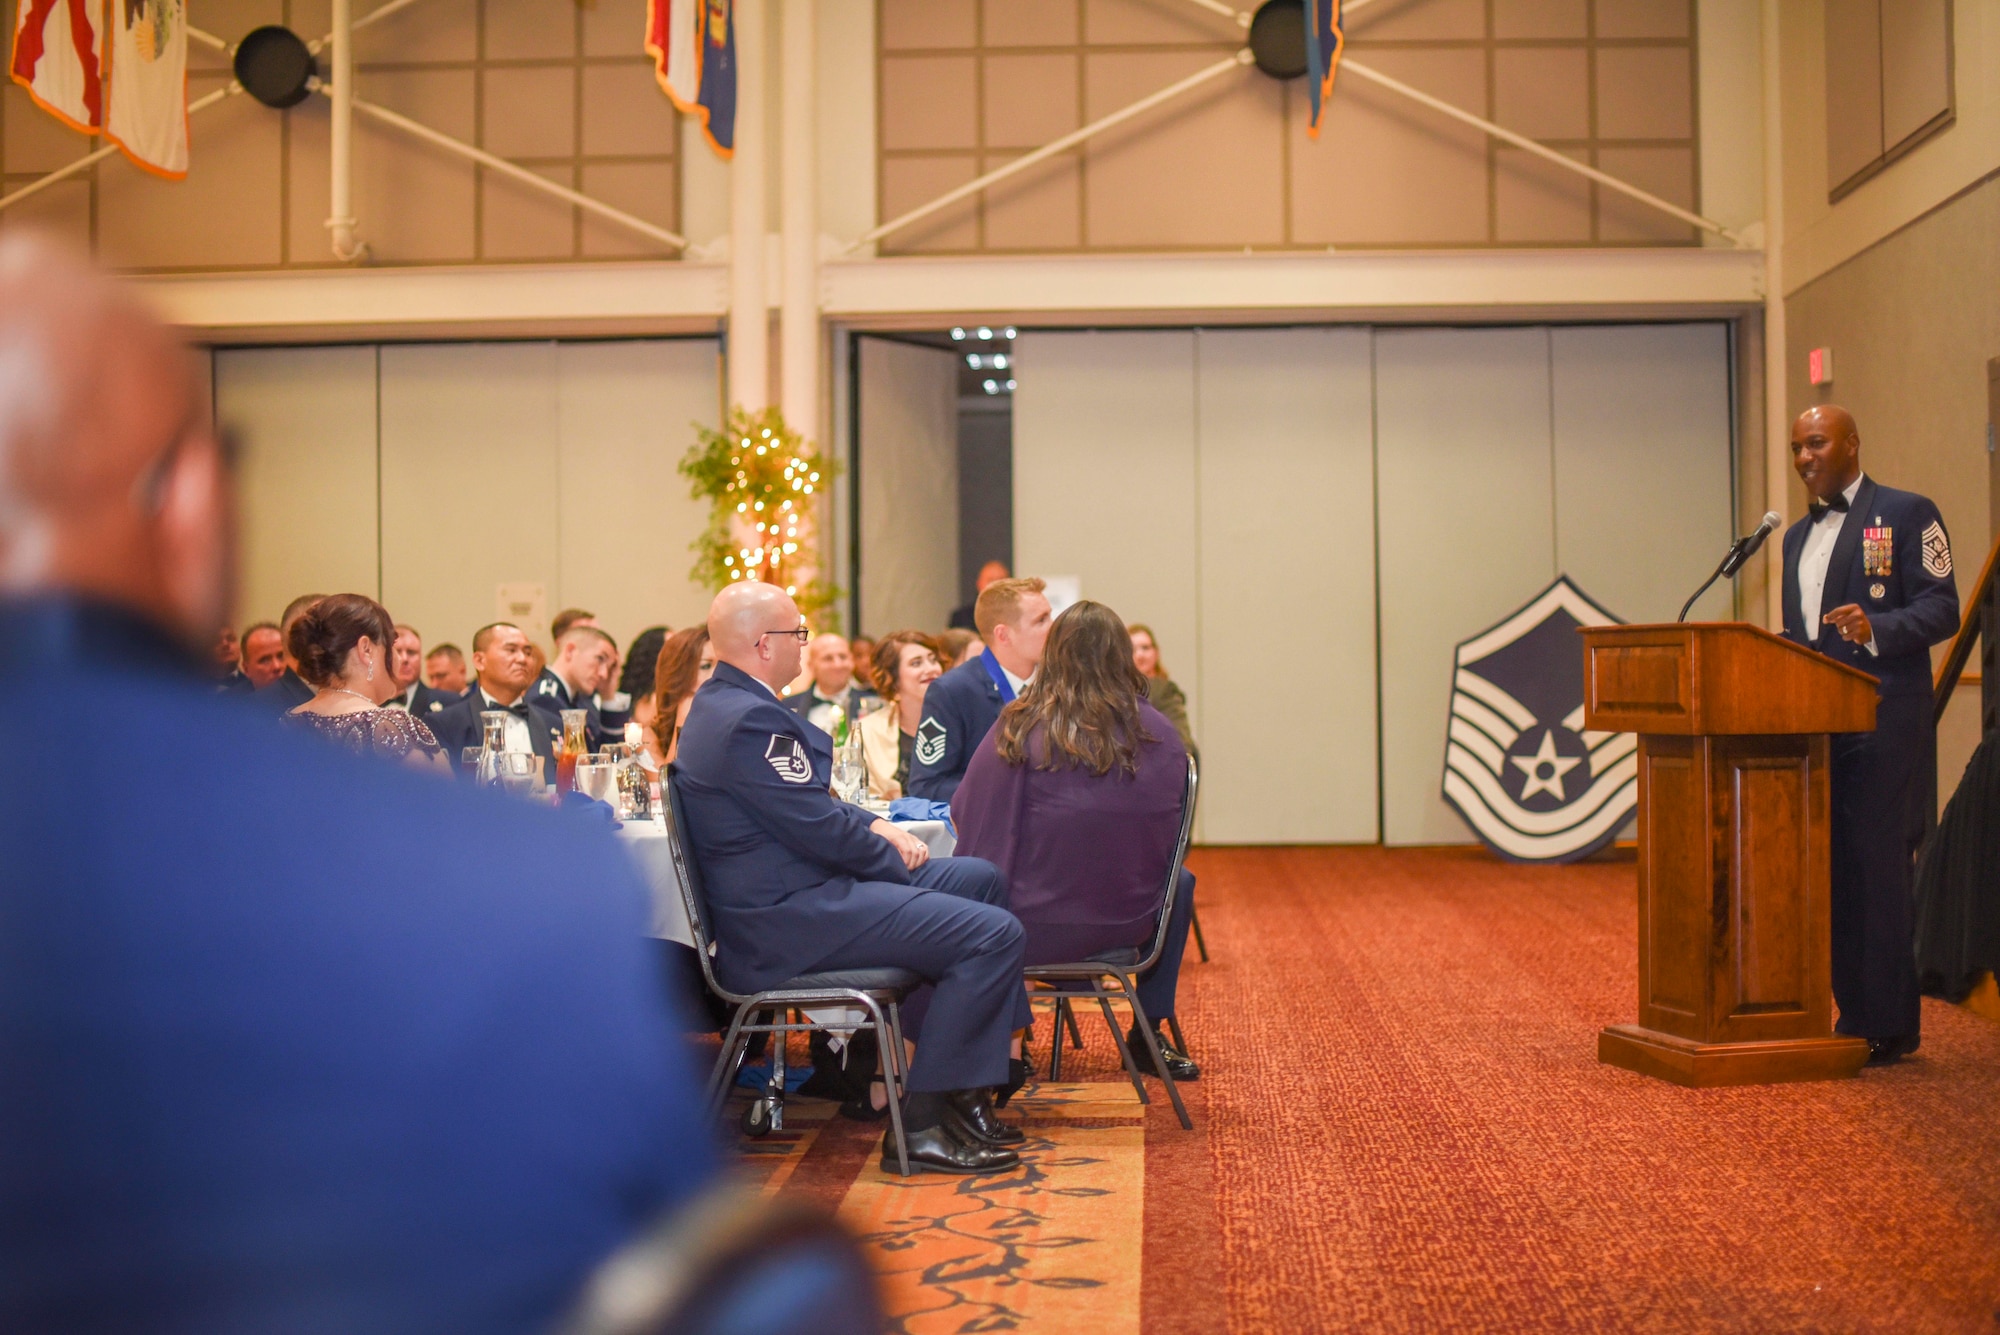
{"x":285,"y":694}
{"x":427,"y":700}
{"x":457,"y":726}
{"x":1893,"y":558}
{"x":960,"y":708}
{"x":1917,"y":605}
{"x":792,"y":874}
{"x":292,"y":1040}
{"x":552,"y":693}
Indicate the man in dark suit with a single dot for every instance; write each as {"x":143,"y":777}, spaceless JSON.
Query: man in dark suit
{"x":298,"y":1041}
{"x":1868,"y":583}
{"x":961,"y":707}
{"x":502,"y":668}
{"x":833,"y":687}
{"x":444,"y":670}
{"x":966,"y":617}
{"x":799,"y":883}
{"x":290,"y":690}
{"x":406,"y":662}
{"x":585,"y":659}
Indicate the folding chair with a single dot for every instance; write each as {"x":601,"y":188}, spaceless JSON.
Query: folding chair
{"x":1124,"y":964}
{"x":878,"y":992}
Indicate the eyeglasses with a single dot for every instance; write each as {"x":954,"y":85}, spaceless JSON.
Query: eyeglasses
{"x":799,"y":633}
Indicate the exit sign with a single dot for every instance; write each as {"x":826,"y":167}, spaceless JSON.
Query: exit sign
{"x":1819,"y":366}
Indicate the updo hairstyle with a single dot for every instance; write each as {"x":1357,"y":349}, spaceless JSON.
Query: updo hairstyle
{"x":325,"y":634}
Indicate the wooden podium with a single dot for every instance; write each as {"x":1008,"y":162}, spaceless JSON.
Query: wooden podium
{"x":1734,"y":855}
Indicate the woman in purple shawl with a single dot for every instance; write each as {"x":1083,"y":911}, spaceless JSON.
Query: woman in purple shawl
{"x":1076,"y":795}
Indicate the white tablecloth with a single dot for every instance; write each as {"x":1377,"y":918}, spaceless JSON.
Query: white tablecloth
{"x":647,"y":842}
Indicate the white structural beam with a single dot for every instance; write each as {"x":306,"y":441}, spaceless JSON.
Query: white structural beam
{"x":340,"y":222}
{"x":798,"y":309}
{"x":749,"y":320}
{"x":1778,"y":428}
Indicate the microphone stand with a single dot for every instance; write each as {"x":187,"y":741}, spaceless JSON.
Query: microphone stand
{"x":1731,"y":563}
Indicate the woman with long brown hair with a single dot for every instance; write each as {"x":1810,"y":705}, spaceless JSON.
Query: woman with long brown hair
{"x":1076,"y":795}
{"x":686,"y":661}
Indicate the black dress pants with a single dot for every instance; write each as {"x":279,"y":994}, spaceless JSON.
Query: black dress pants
{"x":1874,"y":783}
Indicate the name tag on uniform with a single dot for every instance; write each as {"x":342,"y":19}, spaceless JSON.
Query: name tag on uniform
{"x":1878,"y":547}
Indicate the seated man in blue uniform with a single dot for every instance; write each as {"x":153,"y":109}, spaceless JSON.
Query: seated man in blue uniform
{"x":291,"y":1040}
{"x":801,"y":883}
{"x":1868,"y":583}
{"x":585,"y":659}
{"x":502,"y":666}
{"x":961,"y":707}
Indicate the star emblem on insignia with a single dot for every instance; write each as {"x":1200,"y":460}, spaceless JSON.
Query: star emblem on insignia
{"x":1545,"y":758}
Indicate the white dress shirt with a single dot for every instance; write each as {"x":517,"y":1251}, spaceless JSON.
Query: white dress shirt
{"x":518,"y":737}
{"x":1815,"y":555}
{"x":1014,"y":683}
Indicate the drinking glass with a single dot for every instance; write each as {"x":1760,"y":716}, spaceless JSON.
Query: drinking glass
{"x":469,"y":759}
{"x":520,"y":773}
{"x":597,"y":780}
{"x":574,"y":744}
{"x":850,"y":775}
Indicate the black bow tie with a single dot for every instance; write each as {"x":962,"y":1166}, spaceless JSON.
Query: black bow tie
{"x":519,"y":709}
{"x":1818,"y":509}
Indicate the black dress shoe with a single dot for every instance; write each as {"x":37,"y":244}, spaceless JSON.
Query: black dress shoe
{"x":1179,"y":1064}
{"x":969,"y":1113}
{"x":936,"y":1150}
{"x":1886,"y":1051}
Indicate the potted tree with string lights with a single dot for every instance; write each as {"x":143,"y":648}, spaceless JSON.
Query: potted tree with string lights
{"x":762,"y":483}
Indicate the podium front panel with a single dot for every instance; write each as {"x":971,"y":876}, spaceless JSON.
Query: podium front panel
{"x":1674,"y":877}
{"x":1771,"y":979}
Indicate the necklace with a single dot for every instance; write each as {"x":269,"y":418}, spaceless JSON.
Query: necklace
{"x":342,"y":690}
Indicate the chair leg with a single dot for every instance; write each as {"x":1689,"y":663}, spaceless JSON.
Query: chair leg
{"x":726,"y":1062}
{"x":888,"y":1030}
{"x":896,"y":1062}
{"x":1075,"y":1034}
{"x":1145,"y":1027}
{"x":776,"y":1087}
{"x":1200,"y":941}
{"x":1174,"y":1028}
{"x":1131,"y":1066}
{"x":1055,"y":1042}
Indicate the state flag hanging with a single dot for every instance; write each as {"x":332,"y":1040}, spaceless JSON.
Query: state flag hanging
{"x":147,"y":117}
{"x":57,"y":59}
{"x":693,"y":46}
{"x":1324,"y":43}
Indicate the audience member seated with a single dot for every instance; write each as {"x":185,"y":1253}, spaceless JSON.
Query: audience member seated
{"x":501,"y":666}
{"x":686,"y":662}
{"x":569,"y":616}
{"x":585,"y":659}
{"x":343,"y":644}
{"x":263,"y":654}
{"x":406,"y":663}
{"x":444,"y":670}
{"x":962,"y":704}
{"x":1166,"y":697}
{"x":635,"y":683}
{"x":905,"y":665}
{"x":833,"y":685}
{"x":227,"y":655}
{"x":799,"y":883}
{"x":1076,"y":796}
{"x":290,"y":1041}
{"x":862,"y":650}
{"x":289,"y":690}
{"x":957,"y":647}
{"x":965,"y":618}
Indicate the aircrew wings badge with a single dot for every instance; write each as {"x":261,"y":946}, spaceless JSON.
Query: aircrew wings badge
{"x":788,"y":757}
{"x":1518,"y":765}
{"x":930,"y":741}
{"x":1937,"y":551}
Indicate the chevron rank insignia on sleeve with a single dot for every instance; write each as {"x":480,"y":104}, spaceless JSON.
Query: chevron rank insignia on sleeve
{"x":1937,"y":551}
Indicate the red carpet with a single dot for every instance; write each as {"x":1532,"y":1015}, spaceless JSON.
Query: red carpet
{"x":1402,"y":1125}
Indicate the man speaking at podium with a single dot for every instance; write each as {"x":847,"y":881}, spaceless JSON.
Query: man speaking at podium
{"x":1868,"y":583}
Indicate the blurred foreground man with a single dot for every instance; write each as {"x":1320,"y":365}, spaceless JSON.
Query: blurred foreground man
{"x":1868,"y":583}
{"x":289,"y":1041}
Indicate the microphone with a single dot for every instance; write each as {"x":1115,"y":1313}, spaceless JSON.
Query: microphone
{"x":1740,"y":551}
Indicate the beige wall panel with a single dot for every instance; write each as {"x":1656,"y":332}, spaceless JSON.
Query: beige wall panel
{"x":908,"y":476}
{"x":520,"y":223}
{"x":1666,"y":172}
{"x":909,"y":182}
{"x":469,"y":481}
{"x":1419,"y":20}
{"x":441,"y":98}
{"x":33,"y":140}
{"x":1032,"y":23}
{"x":430,"y":30}
{"x":643,"y":189}
{"x":1854,"y":84}
{"x":1543,"y":92}
{"x":1105,"y":478}
{"x":927,"y":102}
{"x":230,"y":20}
{"x":415,"y":202}
{"x":923,"y":24}
{"x":1039,"y":209}
{"x":1294,"y":405}
{"x":624,"y":111}
{"x":1643,"y":18}
{"x":1424,"y":174}
{"x":1644,"y":92}
{"x":306,"y":482}
{"x":1537,"y":201}
{"x":62,"y":210}
{"x":609,"y":25}
{"x":1029,"y":99}
{"x":531,"y":29}
{"x":846,"y":96}
{"x":1205,"y":170}
{"x":1108,"y":22}
{"x":1730,"y":119}
{"x":529,"y":113}
{"x":1916,"y":68}
{"x":624,"y":419}
{"x":1642,"y":441}
{"x":1465,"y":510}
{"x":1541,"y":18}
{"x":226,"y":213}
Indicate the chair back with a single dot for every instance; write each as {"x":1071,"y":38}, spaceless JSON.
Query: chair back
{"x":1188,"y":796}
{"x":694,"y":892}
